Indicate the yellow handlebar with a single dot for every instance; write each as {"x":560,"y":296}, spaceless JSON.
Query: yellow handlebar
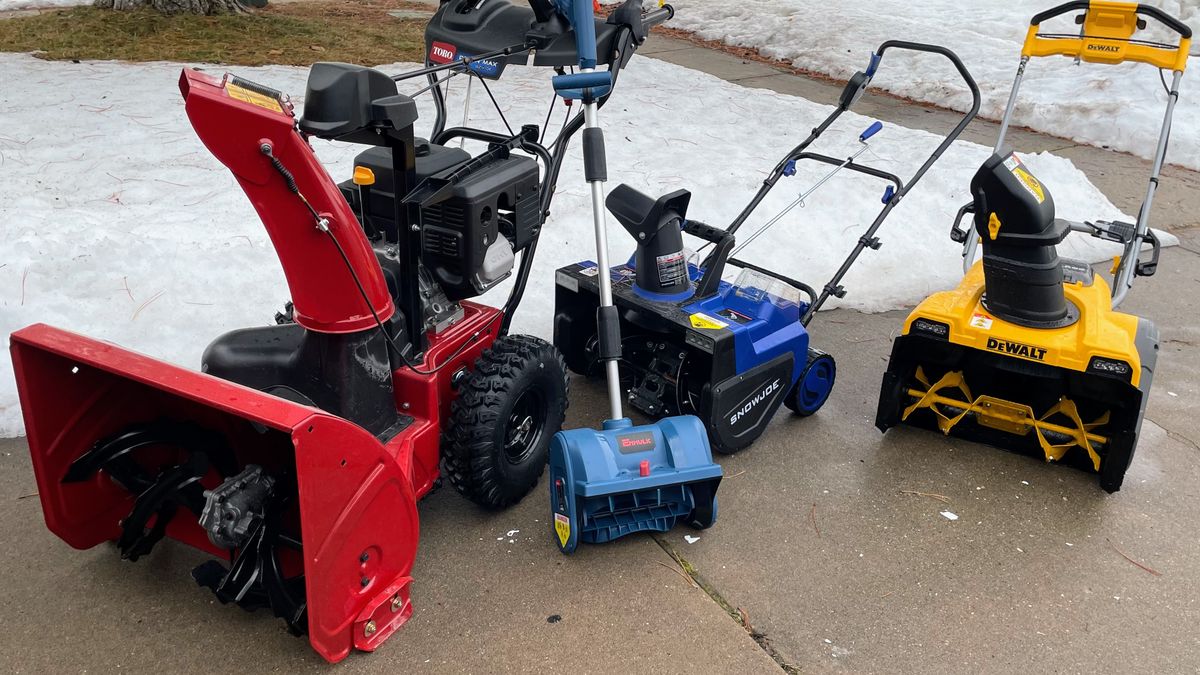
{"x":1107,"y":37}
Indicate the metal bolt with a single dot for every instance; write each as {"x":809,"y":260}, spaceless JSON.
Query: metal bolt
{"x":405,"y":406}
{"x":365,"y":581}
{"x":416,"y":228}
{"x":364,"y":557}
{"x":397,"y":603}
{"x":369,"y":629}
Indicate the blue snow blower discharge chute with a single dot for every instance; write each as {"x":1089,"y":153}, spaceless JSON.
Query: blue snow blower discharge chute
{"x":624,"y":478}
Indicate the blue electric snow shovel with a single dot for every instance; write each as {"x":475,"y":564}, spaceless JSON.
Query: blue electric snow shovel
{"x":624,"y":478}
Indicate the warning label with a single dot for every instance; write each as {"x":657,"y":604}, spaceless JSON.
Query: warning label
{"x":672,"y":268}
{"x":706,"y":321}
{"x":562,"y":527}
{"x":981,"y":321}
{"x":253,"y":97}
{"x":1031,"y":184}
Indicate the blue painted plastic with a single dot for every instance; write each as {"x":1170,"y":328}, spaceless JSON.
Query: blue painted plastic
{"x":814,"y":386}
{"x":871,"y":130}
{"x":773,"y":326}
{"x":887,"y":194}
{"x":874,"y":65}
{"x":578,"y":86}
{"x":580,"y":14}
{"x":598,"y":492}
{"x":789,"y":169}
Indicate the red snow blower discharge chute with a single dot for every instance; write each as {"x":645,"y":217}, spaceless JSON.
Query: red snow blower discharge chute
{"x":296,"y":457}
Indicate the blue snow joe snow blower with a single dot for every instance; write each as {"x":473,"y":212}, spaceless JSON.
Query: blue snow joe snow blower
{"x":624,"y":478}
{"x":693,"y":343}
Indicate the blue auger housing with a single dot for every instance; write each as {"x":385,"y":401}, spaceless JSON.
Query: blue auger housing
{"x":625,"y":479}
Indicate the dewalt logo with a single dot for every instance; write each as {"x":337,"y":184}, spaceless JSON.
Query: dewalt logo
{"x":1103,"y":48}
{"x":1016,"y":349}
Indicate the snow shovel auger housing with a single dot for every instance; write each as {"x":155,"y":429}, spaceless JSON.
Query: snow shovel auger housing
{"x":1028,"y":353}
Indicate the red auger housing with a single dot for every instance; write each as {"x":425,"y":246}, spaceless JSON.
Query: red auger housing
{"x":296,"y":457}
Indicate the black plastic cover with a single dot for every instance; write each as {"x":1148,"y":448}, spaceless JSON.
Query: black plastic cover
{"x":1014,"y":216}
{"x":349,"y":102}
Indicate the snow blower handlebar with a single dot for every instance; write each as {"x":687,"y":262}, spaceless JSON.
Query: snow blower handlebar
{"x":1106,"y":37}
{"x":892,"y":195}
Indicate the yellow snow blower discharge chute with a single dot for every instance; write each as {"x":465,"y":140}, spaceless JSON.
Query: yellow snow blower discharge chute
{"x":1028,"y":353}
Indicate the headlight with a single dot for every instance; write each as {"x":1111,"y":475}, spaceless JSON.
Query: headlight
{"x":1110,"y":368}
{"x":929,"y":328}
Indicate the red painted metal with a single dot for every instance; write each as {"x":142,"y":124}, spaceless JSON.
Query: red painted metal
{"x":356,"y":508}
{"x":323,"y":291}
{"x":355,"y":494}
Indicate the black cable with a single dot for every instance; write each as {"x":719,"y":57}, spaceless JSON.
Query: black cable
{"x":546,"y":124}
{"x":495,"y":103}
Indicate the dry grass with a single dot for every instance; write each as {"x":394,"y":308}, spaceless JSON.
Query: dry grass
{"x":295,"y":33}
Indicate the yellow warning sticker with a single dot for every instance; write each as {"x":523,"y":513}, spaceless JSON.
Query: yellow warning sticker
{"x":981,"y":321}
{"x":562,"y":527}
{"x":1031,"y":184}
{"x":706,"y":321}
{"x":253,"y":98}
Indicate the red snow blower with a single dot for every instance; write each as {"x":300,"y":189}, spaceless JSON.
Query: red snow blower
{"x":297,"y":455}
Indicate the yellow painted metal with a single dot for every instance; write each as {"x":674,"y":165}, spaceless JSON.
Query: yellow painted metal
{"x":1100,"y":331}
{"x":1106,"y":38}
{"x":1015,"y":418}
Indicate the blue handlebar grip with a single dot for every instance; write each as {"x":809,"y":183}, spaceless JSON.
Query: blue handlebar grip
{"x":871,"y":131}
{"x":573,"y":86}
{"x":582,"y":18}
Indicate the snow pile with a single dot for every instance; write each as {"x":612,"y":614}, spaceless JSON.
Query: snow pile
{"x":1119,"y":107}
{"x":120,"y":225}
{"x":10,"y":5}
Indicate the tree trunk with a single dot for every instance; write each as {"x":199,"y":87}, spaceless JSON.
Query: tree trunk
{"x":177,"y":6}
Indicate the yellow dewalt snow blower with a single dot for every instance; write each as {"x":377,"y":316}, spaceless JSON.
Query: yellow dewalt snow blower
{"x":1028,"y":353}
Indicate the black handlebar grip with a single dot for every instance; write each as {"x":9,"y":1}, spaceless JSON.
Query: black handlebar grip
{"x":976,"y":99}
{"x":1058,"y":11}
{"x":656,"y":16}
{"x":1167,"y":20}
{"x":1149,"y":10}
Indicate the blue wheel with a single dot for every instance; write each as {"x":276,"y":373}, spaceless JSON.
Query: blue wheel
{"x":812,"y":389}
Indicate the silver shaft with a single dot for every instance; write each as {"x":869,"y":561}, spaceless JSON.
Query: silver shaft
{"x":799,"y":200}
{"x":466,"y":108}
{"x":972,"y":236}
{"x":606,"y":300}
{"x":1124,"y":279}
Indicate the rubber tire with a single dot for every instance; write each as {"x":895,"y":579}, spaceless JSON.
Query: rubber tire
{"x":793,"y":397}
{"x":473,"y":454}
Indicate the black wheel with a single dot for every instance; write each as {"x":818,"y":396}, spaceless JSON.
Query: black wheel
{"x":704,"y":514}
{"x":812,"y":389}
{"x":507,"y":410}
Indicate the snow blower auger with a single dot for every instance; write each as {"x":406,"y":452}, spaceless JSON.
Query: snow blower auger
{"x":297,"y":456}
{"x":623,"y":479}
{"x":1028,"y":353}
{"x":731,"y":353}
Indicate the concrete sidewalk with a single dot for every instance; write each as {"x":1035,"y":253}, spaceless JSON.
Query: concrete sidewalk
{"x":823,"y":546}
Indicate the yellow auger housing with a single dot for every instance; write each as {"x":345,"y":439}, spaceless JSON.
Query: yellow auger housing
{"x":1029,"y":353}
